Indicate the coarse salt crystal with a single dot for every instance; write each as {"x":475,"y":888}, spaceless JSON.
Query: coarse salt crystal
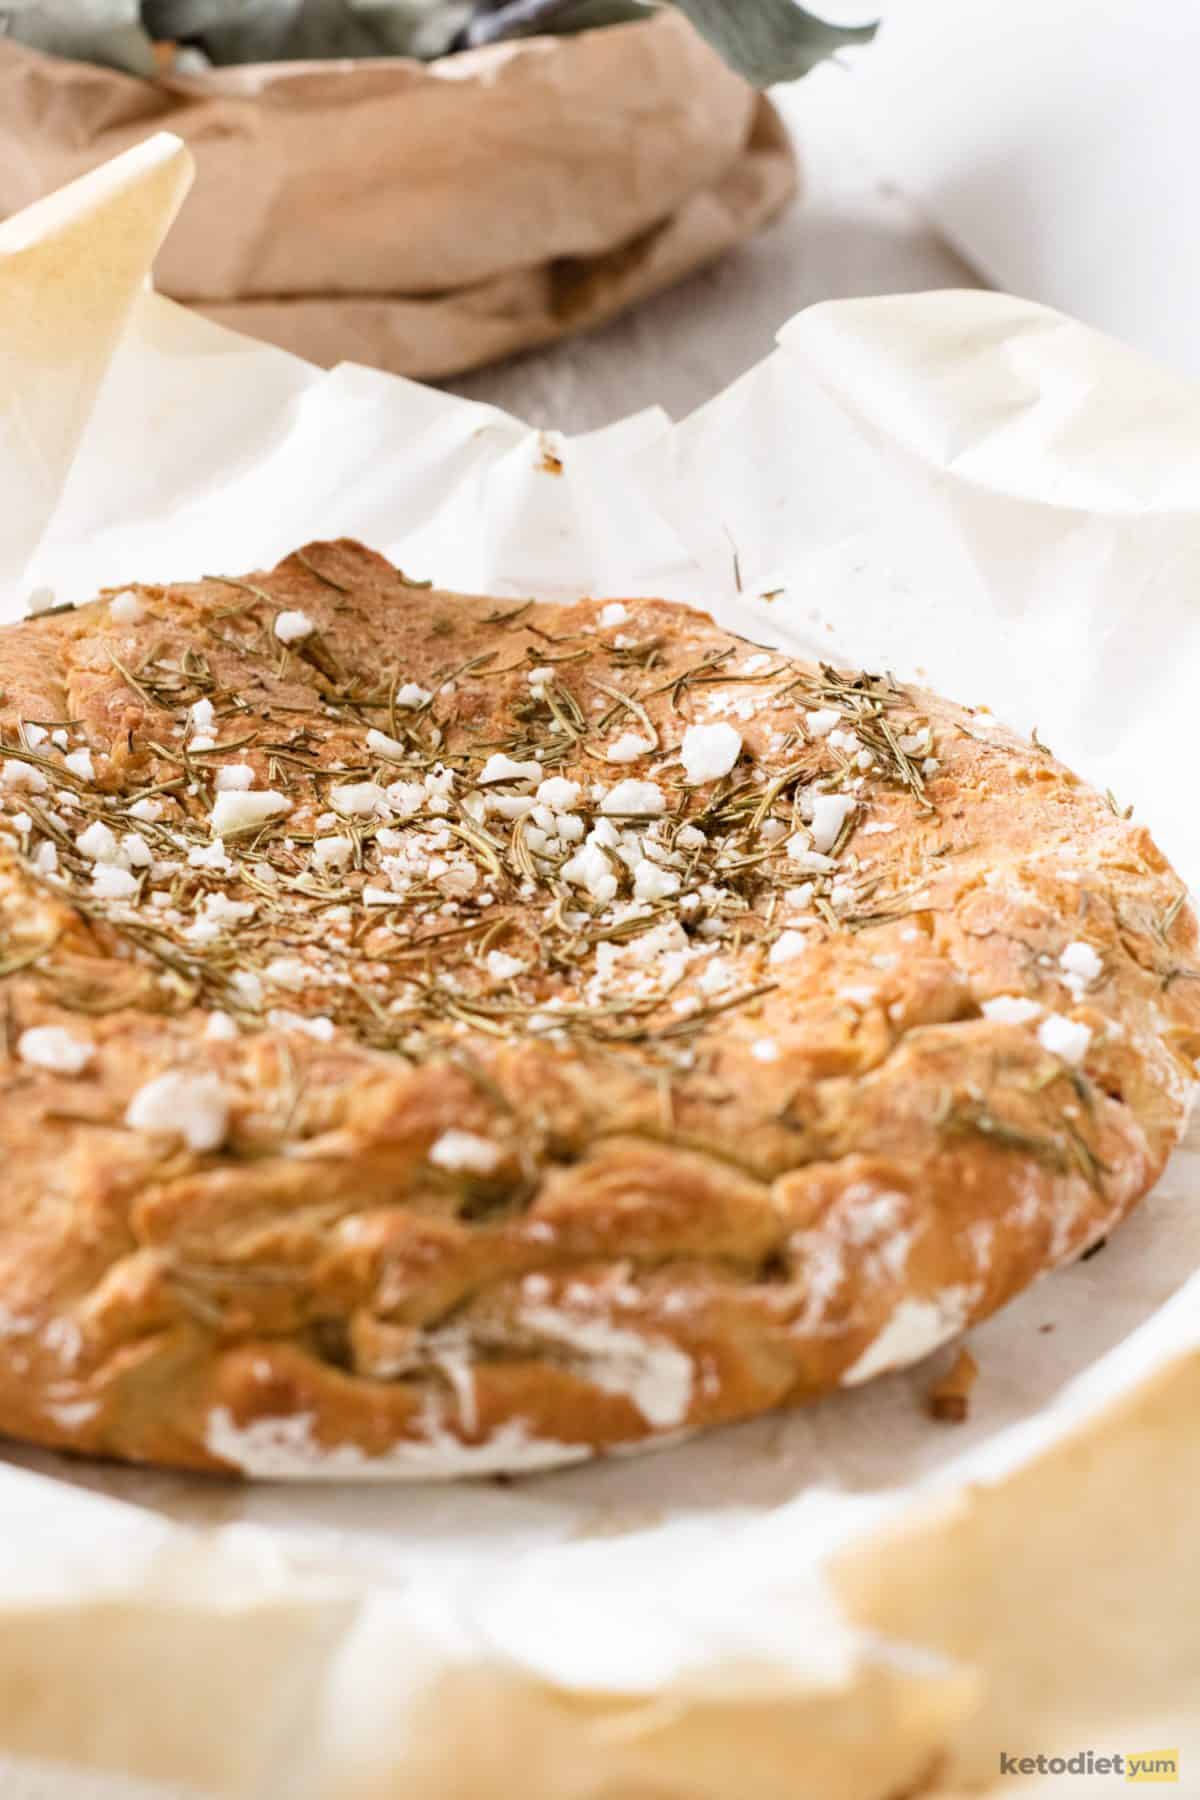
{"x":798,"y":850}
{"x":1011,"y":1009}
{"x":1064,"y":1037}
{"x":135,"y":852}
{"x":194,"y":1107}
{"x":502,"y":967}
{"x":80,"y":763}
{"x":636,"y":798}
{"x":464,"y":1152}
{"x":34,"y":735}
{"x":53,"y":1047}
{"x":821,"y":722}
{"x":591,"y":869}
{"x":293,"y":627}
{"x":629,"y":747}
{"x":406,"y":798}
{"x":830,"y":812}
{"x":332,"y":852}
{"x":390,"y":748}
{"x":225,"y":911}
{"x":358,"y":799}
{"x":202,"y":716}
{"x":112,"y":883}
{"x":710,"y":752}
{"x":1080,"y":967}
{"x":234,"y":778}
{"x":653,"y":883}
{"x":290,"y":972}
{"x":23,"y":777}
{"x":125,"y":608}
{"x":559,"y":793}
{"x":234,"y":812}
{"x":788,"y":947}
{"x":147,"y":812}
{"x":502,"y":768}
{"x":220,"y":1028}
{"x":98,"y":843}
{"x":210,"y":856}
{"x":765,"y":1050}
{"x":613,"y":614}
{"x":411,"y":696}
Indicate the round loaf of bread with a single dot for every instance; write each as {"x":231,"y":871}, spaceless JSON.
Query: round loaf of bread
{"x":443,"y":1036}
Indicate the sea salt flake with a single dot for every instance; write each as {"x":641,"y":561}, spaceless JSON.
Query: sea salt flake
{"x":236,"y":812}
{"x":125,"y":608}
{"x":194,"y":1107}
{"x":561,"y":795}
{"x":1064,"y":1038}
{"x":1081,"y":967}
{"x":332,"y":852}
{"x":629,"y":747}
{"x":291,"y":972}
{"x":502,"y":967}
{"x":390,"y":748}
{"x":709,"y":752}
{"x":650,"y":882}
{"x":590,"y":869}
{"x":23,"y":777}
{"x":464,"y":1152}
{"x":234,"y":778}
{"x":358,"y":799}
{"x":830,"y":812}
{"x":53,"y":1047}
{"x":112,"y":883}
{"x":499,"y":767}
{"x":1011,"y":1009}
{"x":638,"y":799}
{"x":293,"y":627}
{"x":411,"y":696}
{"x":821,"y":722}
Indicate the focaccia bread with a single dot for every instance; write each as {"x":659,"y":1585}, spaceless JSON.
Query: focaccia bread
{"x":443,"y":1036}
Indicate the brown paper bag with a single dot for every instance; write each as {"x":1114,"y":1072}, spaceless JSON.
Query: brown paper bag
{"x":426,"y":217}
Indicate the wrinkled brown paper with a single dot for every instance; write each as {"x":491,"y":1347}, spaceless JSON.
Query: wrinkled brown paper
{"x":426,"y":218}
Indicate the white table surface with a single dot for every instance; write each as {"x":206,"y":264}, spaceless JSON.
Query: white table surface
{"x":852,"y":234}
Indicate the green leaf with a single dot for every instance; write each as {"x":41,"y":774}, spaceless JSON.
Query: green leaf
{"x":766,"y":40}
{"x":241,"y":31}
{"x":770,"y":40}
{"x":98,"y":31}
{"x":497,"y":20}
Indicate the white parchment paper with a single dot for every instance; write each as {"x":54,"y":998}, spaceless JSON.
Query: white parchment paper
{"x":961,"y":487}
{"x":1055,"y":147}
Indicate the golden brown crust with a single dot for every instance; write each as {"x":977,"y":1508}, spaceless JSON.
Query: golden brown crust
{"x":532,"y":1127}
